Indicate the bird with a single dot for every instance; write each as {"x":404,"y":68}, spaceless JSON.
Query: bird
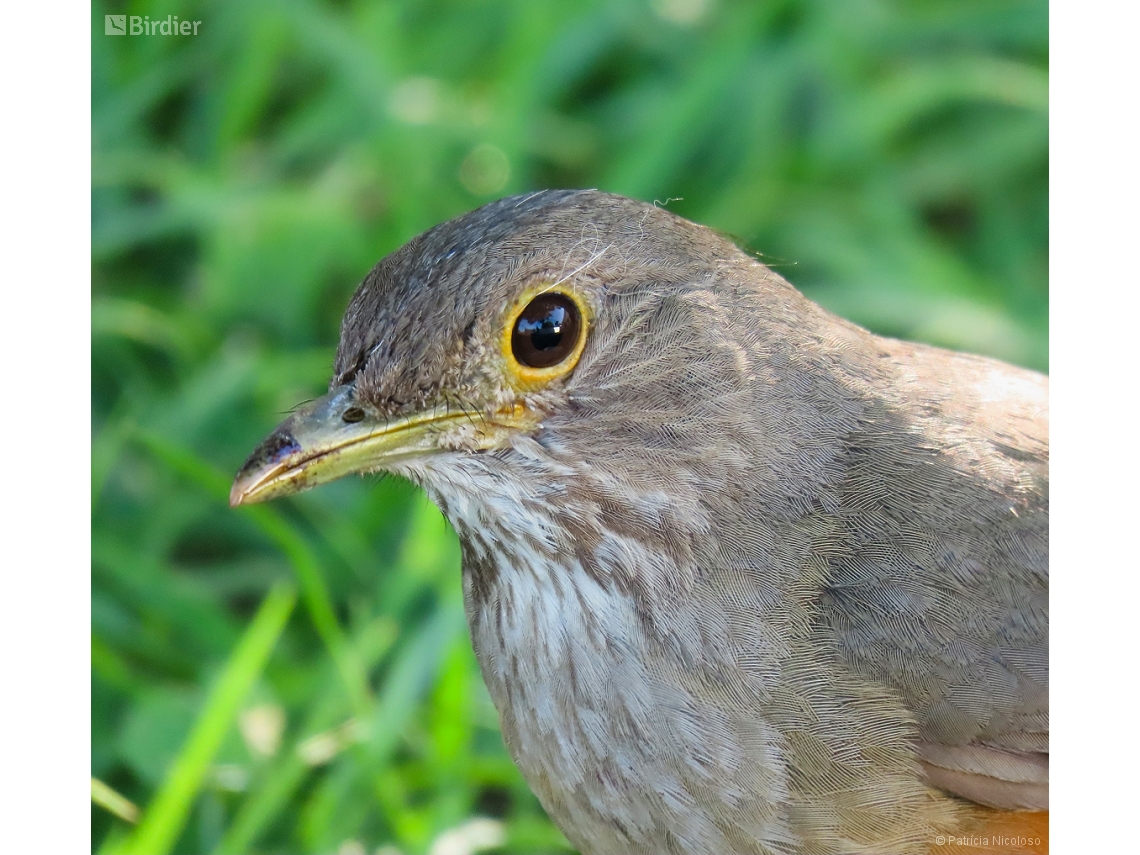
{"x":740,"y":575}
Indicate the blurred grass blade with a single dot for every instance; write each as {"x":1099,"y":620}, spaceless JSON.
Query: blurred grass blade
{"x":116,"y":803}
{"x":106,"y":446}
{"x":166,"y":815}
{"x":139,"y":323}
{"x":319,"y":604}
{"x":265,"y":803}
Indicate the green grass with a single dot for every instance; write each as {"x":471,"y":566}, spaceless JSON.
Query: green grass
{"x":166,"y":815}
{"x":889,"y":158}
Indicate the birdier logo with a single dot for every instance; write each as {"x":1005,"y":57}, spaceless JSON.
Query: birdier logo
{"x":142,"y":25}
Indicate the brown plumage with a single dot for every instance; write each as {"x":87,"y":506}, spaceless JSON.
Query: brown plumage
{"x":741,"y":576}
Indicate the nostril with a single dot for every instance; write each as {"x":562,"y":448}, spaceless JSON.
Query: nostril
{"x":353,"y":414}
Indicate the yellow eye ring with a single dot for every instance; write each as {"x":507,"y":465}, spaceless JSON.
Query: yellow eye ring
{"x":544,"y":335}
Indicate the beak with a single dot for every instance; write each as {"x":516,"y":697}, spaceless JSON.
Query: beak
{"x":318,"y":444}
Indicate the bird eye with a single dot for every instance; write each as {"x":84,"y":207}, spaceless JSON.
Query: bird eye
{"x":543,"y":336}
{"x":547,"y":331}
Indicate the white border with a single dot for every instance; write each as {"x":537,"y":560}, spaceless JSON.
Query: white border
{"x":45,"y":373}
{"x":1095,"y":313}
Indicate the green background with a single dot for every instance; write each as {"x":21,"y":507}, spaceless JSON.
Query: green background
{"x":297,"y":677}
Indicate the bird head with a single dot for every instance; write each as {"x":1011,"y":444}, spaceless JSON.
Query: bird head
{"x":567,"y":341}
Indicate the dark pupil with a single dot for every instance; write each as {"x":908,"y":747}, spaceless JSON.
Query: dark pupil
{"x":546,"y":331}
